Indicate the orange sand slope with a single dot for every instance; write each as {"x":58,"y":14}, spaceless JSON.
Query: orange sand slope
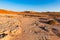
{"x":29,"y":25}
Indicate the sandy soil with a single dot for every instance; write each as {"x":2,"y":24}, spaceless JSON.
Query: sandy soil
{"x":29,"y":26}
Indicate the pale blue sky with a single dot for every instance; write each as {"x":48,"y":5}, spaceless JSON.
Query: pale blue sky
{"x":34,"y":5}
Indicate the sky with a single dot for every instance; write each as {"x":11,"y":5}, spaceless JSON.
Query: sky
{"x":31,"y":5}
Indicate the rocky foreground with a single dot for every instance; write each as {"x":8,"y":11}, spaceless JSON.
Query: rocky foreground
{"x":29,"y":25}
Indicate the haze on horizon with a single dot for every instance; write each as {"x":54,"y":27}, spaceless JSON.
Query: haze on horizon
{"x":31,"y":5}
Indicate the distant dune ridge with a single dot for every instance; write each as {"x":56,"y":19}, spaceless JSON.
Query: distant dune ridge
{"x":29,"y":25}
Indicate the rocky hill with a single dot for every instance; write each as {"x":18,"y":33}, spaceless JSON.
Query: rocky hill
{"x":29,"y":25}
